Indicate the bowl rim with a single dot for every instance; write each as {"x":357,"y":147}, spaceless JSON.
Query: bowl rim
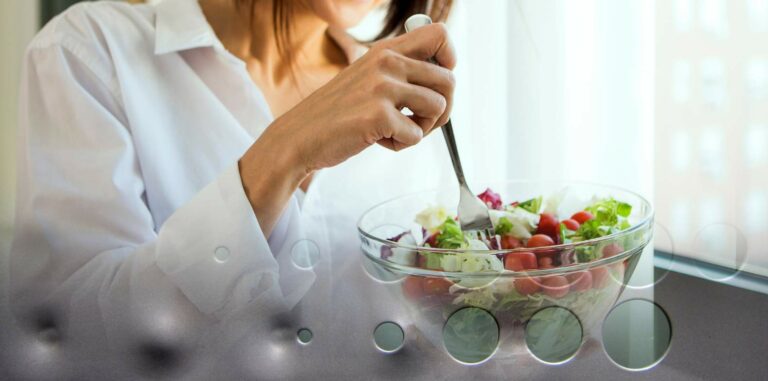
{"x":643,"y":223}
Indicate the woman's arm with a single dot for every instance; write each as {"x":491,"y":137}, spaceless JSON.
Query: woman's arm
{"x":85,"y":249}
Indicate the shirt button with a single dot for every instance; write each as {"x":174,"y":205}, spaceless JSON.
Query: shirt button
{"x":221,"y":254}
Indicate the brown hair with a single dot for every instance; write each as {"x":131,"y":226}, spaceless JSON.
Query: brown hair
{"x":397,"y":12}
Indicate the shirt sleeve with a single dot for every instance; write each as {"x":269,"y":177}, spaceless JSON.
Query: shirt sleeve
{"x":85,"y":243}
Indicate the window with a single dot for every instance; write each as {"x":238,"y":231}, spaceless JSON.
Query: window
{"x":712,"y":132}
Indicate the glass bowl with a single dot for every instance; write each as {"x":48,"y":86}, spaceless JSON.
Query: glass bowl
{"x":453,"y":309}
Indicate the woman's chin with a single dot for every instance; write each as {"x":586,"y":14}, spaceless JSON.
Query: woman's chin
{"x":345,"y":14}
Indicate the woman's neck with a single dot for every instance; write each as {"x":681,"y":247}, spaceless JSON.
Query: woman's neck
{"x":252,"y":37}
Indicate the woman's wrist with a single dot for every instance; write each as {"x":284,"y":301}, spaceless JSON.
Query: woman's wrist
{"x":270,"y":172}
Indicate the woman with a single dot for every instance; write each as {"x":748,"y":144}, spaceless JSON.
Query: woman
{"x":175,"y":158}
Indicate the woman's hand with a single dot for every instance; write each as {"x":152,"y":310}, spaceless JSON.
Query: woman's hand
{"x":359,"y":107}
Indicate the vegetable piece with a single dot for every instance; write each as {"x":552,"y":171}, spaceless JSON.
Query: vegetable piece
{"x":586,"y":254}
{"x":522,"y":223}
{"x":612,"y":249}
{"x":527,"y":286}
{"x":431,"y":241}
{"x":413,"y":288}
{"x":599,"y":276}
{"x":545,"y":263}
{"x":450,"y":236}
{"x":401,"y":255}
{"x":491,"y":199}
{"x":533,"y":205}
{"x":509,"y":242}
{"x":580,"y":281}
{"x":540,"y":240}
{"x":520,"y":261}
{"x":504,"y":226}
{"x":548,"y":225}
{"x":430,"y":261}
{"x":571,"y":224}
{"x":610,"y":216}
{"x":555,"y":286}
{"x":436,"y":286}
{"x":471,"y":262}
{"x":582,"y":217}
{"x":432,"y":218}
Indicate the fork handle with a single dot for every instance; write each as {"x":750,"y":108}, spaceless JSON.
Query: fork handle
{"x":453,"y":151}
{"x":414,"y":22}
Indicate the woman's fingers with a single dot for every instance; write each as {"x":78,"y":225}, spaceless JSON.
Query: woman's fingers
{"x":433,"y":77}
{"x":429,"y":41}
{"x":426,"y":104}
{"x":400,"y":132}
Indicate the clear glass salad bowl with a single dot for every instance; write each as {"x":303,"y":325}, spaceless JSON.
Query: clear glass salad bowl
{"x":548,"y":312}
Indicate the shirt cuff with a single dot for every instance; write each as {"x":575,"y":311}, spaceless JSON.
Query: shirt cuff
{"x":213,"y":249}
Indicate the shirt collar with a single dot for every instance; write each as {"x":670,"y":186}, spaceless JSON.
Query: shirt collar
{"x":181,"y":25}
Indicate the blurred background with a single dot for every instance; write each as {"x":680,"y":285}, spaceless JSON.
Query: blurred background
{"x":668,"y":98}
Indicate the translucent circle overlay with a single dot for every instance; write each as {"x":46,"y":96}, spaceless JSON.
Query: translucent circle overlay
{"x":662,"y":240}
{"x":726,"y":246}
{"x":221,"y":254}
{"x":388,"y":337}
{"x":305,"y":254}
{"x":637,"y":334}
{"x":553,"y":335}
{"x":471,"y":335}
{"x":304,"y":335}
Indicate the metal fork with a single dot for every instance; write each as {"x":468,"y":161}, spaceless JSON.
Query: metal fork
{"x":473,"y":213}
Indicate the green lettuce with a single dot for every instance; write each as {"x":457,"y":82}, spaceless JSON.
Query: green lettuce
{"x":450,"y":236}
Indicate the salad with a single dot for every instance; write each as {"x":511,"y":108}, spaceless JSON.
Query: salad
{"x":519,"y":225}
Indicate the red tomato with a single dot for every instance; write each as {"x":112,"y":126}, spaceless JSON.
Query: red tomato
{"x":555,"y":286}
{"x":413,"y":288}
{"x":580,"y":281}
{"x":520,"y":261}
{"x":545,"y":262}
{"x":571,"y":224}
{"x":540,"y":240}
{"x":548,"y":225}
{"x":527,"y":286}
{"x":599,"y":276}
{"x":582,"y":217}
{"x":612,"y":249}
{"x":510,"y":242}
{"x":436,"y":286}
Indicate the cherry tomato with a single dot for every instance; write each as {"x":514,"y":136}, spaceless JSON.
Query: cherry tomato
{"x":413,"y":288}
{"x":548,"y":225}
{"x":510,"y":242}
{"x":436,"y":286}
{"x":555,"y":286}
{"x":520,"y":261}
{"x":582,"y":217}
{"x":545,"y":262}
{"x":599,"y":276}
{"x":580,"y":281}
{"x":612,"y":249}
{"x":527,"y":286}
{"x":571,"y":224}
{"x":540,"y":240}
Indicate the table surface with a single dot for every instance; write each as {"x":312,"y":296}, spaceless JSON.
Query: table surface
{"x":720,"y":332}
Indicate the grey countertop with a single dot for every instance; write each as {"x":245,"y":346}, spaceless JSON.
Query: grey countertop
{"x":720,"y":332}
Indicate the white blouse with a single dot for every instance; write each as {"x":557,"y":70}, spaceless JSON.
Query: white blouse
{"x":130,"y":203}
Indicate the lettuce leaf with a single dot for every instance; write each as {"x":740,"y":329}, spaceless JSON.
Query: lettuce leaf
{"x":533,"y":205}
{"x":450,"y":236}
